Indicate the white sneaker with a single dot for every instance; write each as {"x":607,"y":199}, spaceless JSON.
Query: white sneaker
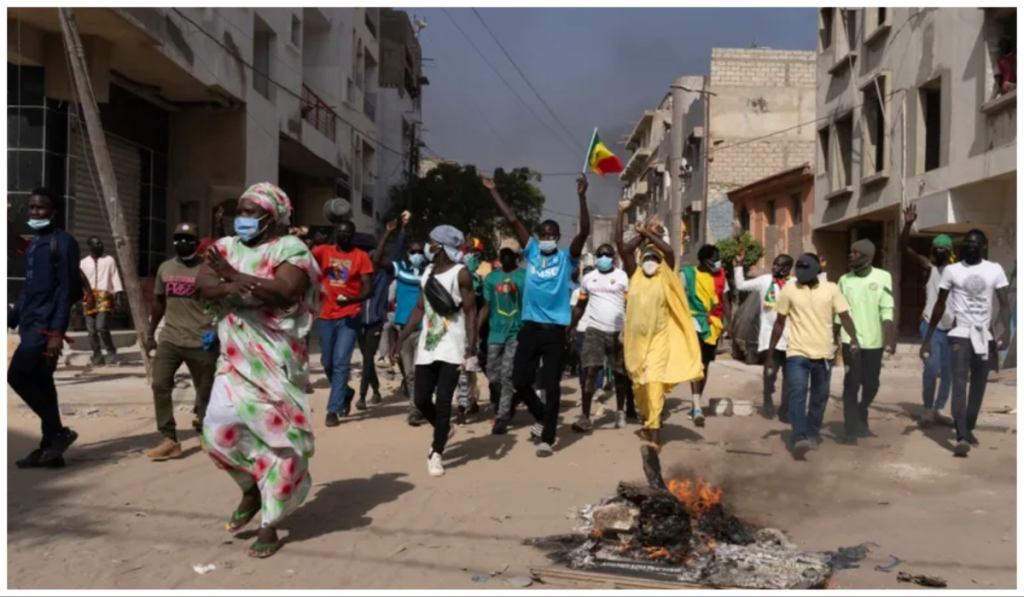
{"x":434,"y":466}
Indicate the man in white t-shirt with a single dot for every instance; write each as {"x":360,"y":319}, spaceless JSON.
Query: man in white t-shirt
{"x":602,"y":300}
{"x":966,"y":289}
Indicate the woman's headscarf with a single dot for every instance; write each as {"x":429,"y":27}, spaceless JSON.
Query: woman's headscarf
{"x":271,"y":198}
{"x":451,"y":239}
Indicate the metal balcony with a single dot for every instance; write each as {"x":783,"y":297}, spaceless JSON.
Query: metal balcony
{"x":318,"y":113}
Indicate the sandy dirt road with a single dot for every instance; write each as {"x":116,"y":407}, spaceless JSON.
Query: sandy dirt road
{"x":375,"y":520}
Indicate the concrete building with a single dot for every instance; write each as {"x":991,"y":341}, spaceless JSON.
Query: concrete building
{"x":427,"y":165}
{"x":912,"y":113}
{"x":750,"y":119}
{"x":399,"y":102}
{"x":197,"y":104}
{"x":777,"y":212}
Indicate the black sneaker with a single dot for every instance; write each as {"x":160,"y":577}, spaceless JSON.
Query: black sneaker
{"x":59,"y":444}
{"x":361,"y":404}
{"x":583,"y":425}
{"x":415,"y":419}
{"x":784,"y":416}
{"x":801,"y":448}
{"x":35,"y":460}
{"x":460,"y":416}
{"x":376,"y":399}
{"x":474,"y":408}
{"x":332,"y":420}
{"x":848,"y":440}
{"x":963,"y":447}
{"x":971,"y":439}
{"x":768,"y":410}
{"x":500,"y":427}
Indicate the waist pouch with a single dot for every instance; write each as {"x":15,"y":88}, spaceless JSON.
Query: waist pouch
{"x":441,"y":301}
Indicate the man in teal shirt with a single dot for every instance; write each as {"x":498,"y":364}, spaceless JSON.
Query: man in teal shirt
{"x":868,"y":290}
{"x":502,"y":310}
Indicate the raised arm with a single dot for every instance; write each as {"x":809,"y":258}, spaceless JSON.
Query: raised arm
{"x":627,"y":251}
{"x":740,"y":278}
{"x":909,"y":217}
{"x":522,"y":234}
{"x":380,"y":260}
{"x":576,"y":248}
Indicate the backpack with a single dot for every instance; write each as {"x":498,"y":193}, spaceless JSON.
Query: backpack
{"x":75,"y":291}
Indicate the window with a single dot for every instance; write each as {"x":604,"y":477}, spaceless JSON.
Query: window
{"x":843,"y":176}
{"x":771,"y":213}
{"x":850,"y":25}
{"x":825,"y":25}
{"x":875,"y":139}
{"x":296,"y":32}
{"x":262,"y":50}
{"x":823,"y":139}
{"x":745,"y":219}
{"x":796,"y":206}
{"x":1001,"y":34}
{"x":931,"y":120}
{"x":877,"y":22}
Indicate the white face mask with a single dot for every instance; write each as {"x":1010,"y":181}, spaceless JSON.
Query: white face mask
{"x":650,"y":268}
{"x":430,"y":253}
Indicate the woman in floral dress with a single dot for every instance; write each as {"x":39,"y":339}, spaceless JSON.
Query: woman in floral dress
{"x":263,"y":288}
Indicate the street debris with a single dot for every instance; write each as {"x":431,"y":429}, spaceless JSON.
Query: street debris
{"x":204,"y":568}
{"x":480,"y":578}
{"x":499,"y":572}
{"x":922,"y":580}
{"x":848,"y":558}
{"x":519,"y":582}
{"x":889,"y":568}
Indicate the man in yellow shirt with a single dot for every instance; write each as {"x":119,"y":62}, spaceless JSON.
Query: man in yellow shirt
{"x":809,"y":306}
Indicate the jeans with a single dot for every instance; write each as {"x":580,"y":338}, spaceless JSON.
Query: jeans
{"x":937,"y":365}
{"x":369,"y":340}
{"x":338,"y":338}
{"x":862,"y":375}
{"x":408,"y":366}
{"x":437,"y":380}
{"x":202,"y":365}
{"x":540,"y":343}
{"x":500,"y":364}
{"x":98,"y":326}
{"x":970,"y":378}
{"x":30,"y":375}
{"x":802,"y":373}
{"x":778,"y":358}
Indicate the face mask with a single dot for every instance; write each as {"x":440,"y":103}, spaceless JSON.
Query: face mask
{"x":605,"y":263}
{"x":472,"y":262}
{"x":430,"y":254}
{"x":548,"y":246}
{"x":716,"y":265}
{"x":96,"y":250}
{"x":38,"y":224}
{"x":247,"y":228}
{"x":650,"y":268}
{"x":417,"y":259}
{"x":807,"y":272}
{"x":186,"y":249}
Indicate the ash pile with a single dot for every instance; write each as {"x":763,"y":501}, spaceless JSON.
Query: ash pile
{"x":680,"y":532}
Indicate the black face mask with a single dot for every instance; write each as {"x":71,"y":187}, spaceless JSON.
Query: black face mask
{"x":96,"y":250}
{"x":807,"y":271}
{"x":186,"y":248}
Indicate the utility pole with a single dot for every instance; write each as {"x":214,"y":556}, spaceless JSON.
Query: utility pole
{"x":108,"y":180}
{"x":675,"y":169}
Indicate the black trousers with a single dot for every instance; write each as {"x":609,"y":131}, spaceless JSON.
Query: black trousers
{"x":862,"y":376}
{"x":539,"y":343}
{"x":439,"y":380}
{"x":778,"y":360}
{"x":970,"y":378}
{"x":369,"y":341}
{"x":30,"y":375}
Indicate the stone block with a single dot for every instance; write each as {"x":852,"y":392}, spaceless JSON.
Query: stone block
{"x":615,"y":516}
{"x":742,"y":408}
{"x":720,"y":407}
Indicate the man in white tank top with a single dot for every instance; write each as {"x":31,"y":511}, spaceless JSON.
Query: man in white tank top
{"x":938,"y":366}
{"x":447,"y":343}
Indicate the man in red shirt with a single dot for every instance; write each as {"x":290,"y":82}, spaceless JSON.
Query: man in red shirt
{"x":348,"y":281}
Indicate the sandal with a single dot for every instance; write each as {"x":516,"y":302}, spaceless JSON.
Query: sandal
{"x":239,"y":520}
{"x":262,"y":551}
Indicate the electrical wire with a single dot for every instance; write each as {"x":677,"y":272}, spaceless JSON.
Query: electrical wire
{"x":509,"y":85}
{"x":522,"y":74}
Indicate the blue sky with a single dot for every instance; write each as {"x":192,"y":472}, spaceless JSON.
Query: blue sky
{"x":594,"y":66}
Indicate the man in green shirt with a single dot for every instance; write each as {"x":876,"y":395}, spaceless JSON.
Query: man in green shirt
{"x":502,"y":310}
{"x":868,"y":290}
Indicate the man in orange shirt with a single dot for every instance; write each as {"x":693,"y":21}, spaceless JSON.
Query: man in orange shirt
{"x":348,"y":281}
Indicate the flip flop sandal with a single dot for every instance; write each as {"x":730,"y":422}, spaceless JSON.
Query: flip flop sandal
{"x":239,"y":520}
{"x":262,"y":551}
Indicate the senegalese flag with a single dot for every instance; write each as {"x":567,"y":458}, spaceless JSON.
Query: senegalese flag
{"x":600,"y":159}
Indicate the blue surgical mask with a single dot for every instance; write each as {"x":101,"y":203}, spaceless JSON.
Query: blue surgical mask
{"x":548,"y":246}
{"x":247,"y":228}
{"x":38,"y":224}
{"x":718,"y":265}
{"x":417,"y":259}
{"x":605,"y":263}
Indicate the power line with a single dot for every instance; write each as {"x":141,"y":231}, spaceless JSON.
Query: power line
{"x":522,"y":74}
{"x":509,"y":85}
{"x":298,"y":96}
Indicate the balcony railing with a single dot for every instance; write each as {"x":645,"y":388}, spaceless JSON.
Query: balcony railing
{"x":370,"y":106}
{"x":318,"y":113}
{"x":371,"y":21}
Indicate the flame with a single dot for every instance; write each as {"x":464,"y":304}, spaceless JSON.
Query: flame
{"x":655,"y":553}
{"x":596,"y":534}
{"x":698,"y":496}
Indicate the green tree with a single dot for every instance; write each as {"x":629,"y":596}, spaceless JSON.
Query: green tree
{"x":452,"y":194}
{"x":729,"y":247}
